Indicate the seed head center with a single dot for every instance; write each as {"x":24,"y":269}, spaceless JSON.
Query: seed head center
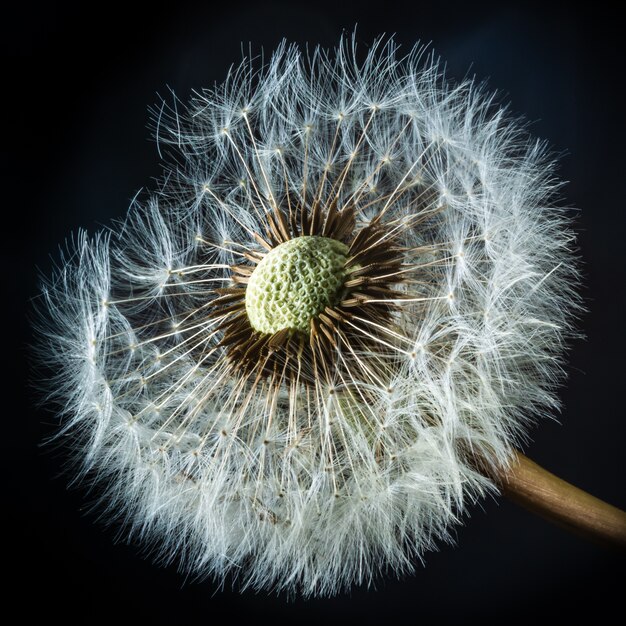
{"x":294,"y":283}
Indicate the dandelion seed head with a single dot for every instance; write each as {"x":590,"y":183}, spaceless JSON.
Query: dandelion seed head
{"x":296,"y":364}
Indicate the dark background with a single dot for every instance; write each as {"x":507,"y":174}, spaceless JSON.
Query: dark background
{"x":75,"y":151}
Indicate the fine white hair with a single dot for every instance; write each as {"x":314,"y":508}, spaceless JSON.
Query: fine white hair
{"x":312,"y":489}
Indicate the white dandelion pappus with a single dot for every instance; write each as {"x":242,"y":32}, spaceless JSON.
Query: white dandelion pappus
{"x":346,"y":302}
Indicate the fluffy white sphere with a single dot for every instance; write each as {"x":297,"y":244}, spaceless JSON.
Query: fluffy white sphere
{"x":309,"y":460}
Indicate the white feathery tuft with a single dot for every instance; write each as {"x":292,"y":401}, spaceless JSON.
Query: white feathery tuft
{"x":311,"y":488}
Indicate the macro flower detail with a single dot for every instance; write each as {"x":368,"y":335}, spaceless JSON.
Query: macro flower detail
{"x":295,"y":282}
{"x":303,"y":355}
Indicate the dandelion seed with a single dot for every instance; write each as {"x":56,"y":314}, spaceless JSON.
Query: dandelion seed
{"x":351,"y":292}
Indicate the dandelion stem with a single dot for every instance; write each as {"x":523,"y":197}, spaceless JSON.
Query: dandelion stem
{"x":541,"y":492}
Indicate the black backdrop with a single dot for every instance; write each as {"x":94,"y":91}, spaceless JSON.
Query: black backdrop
{"x":75,"y":151}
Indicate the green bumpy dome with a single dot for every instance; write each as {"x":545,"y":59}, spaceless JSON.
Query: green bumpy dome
{"x":294,"y":283}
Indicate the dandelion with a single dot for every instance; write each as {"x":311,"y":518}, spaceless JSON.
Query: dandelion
{"x":311,"y":347}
